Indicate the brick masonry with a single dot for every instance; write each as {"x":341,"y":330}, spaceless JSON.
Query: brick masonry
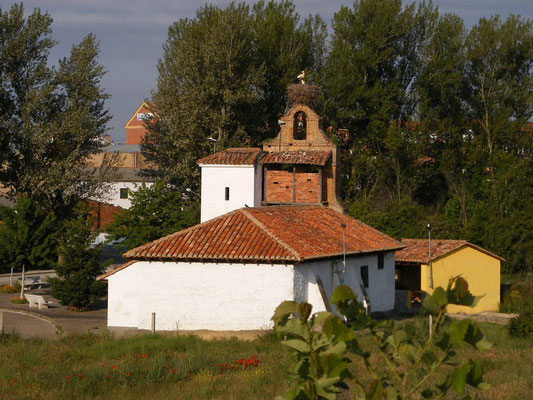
{"x":279,"y":187}
{"x":315,"y":139}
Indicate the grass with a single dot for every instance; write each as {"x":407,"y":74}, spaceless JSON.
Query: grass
{"x":519,"y":296}
{"x":186,"y":367}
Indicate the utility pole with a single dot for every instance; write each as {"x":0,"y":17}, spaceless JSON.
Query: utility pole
{"x":430,"y":264}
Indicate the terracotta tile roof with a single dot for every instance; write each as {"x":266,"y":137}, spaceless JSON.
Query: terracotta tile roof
{"x":232,"y":156}
{"x":313,"y":157}
{"x":107,"y":274}
{"x":416,"y":250}
{"x":284,"y":234}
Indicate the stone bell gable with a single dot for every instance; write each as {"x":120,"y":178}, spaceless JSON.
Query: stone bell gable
{"x":301,"y":163}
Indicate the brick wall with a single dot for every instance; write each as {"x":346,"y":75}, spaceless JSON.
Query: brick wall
{"x":135,"y":135}
{"x":279,"y":186}
{"x":307,"y":187}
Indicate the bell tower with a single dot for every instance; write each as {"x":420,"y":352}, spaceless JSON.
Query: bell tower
{"x":300,"y":165}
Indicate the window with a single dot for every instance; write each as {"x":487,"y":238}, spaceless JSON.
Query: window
{"x":364,"y":275}
{"x":300,"y":126}
{"x":227,"y":193}
{"x":380,"y":261}
{"x":124,"y":193}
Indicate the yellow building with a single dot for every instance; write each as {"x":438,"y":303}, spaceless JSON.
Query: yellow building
{"x":449,"y":258}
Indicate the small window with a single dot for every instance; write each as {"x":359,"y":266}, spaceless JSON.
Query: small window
{"x":124,"y":193}
{"x":364,"y":275}
{"x":300,"y":126}
{"x":381,"y":262}
{"x":227,"y":193}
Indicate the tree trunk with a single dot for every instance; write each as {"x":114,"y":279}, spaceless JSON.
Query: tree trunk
{"x":22,"y":282}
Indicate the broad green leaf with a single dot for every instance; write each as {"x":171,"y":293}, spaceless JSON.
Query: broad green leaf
{"x":457,"y":331}
{"x":323,"y":393}
{"x":375,"y":391}
{"x":390,"y":393}
{"x":430,"y":304}
{"x":284,"y":310}
{"x":298,"y":345}
{"x":459,"y":378}
{"x":440,"y":296}
{"x":305,"y":311}
{"x":475,"y":375}
{"x":342,"y":293}
{"x":326,"y":382}
{"x":294,"y":327}
{"x":338,"y":348}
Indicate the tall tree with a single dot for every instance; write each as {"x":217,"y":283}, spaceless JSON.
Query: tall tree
{"x":28,"y":236}
{"x":75,"y":284}
{"x":285,"y":47}
{"x":500,"y":61}
{"x":370,"y":72}
{"x":50,"y":119}
{"x":208,"y":86}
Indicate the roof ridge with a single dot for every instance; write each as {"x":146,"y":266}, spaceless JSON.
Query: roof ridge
{"x":170,"y":235}
{"x":264,"y":228}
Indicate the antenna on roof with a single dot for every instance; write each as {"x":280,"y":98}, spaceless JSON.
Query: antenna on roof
{"x":343,"y":226}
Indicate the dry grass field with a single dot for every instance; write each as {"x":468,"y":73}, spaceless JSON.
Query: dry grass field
{"x":186,"y":367}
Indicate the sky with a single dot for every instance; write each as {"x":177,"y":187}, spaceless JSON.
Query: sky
{"x":131,"y":34}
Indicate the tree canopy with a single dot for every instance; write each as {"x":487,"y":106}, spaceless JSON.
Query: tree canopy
{"x":51,"y":118}
{"x":438,"y":114}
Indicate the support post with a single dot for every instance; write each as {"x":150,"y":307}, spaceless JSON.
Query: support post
{"x":430,"y":324}
{"x":1,"y":322}
{"x":153,"y":322}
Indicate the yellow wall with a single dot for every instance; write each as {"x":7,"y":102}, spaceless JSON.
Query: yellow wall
{"x":481,"y":271}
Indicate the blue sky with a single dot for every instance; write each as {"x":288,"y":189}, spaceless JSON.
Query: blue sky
{"x":131,"y":33}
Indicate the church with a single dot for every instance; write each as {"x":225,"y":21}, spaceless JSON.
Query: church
{"x":272,"y":229}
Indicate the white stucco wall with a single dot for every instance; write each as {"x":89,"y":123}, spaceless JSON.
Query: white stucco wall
{"x":381,"y":282}
{"x":113,"y":195}
{"x":244,"y":182}
{"x":193,"y":296}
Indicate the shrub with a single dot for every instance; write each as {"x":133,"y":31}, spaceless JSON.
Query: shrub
{"x":521,"y":326}
{"x":321,"y":343}
{"x":7,"y":289}
{"x":19,"y":300}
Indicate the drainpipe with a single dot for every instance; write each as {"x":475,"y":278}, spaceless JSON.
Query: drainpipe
{"x":430,"y":264}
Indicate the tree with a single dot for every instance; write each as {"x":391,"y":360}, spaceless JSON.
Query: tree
{"x":75,"y":284}
{"x":50,"y":119}
{"x":28,"y":237}
{"x":285,"y":47}
{"x":223,"y":75}
{"x":208,"y":86}
{"x":155,"y":211}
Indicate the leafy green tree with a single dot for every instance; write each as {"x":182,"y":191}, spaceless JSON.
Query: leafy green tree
{"x":320,"y":344}
{"x":285,"y":47}
{"x":208,"y":86}
{"x":28,"y":237}
{"x":79,"y":265}
{"x":51,"y":119}
{"x":155,"y":211}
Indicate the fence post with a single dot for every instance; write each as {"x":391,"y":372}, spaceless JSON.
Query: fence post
{"x":153,"y":322}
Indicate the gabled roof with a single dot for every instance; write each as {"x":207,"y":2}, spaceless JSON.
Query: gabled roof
{"x":232,"y":156}
{"x":416,"y":250}
{"x":297,"y":157}
{"x":280,"y":234}
{"x":105,"y":275}
{"x":144,"y":104}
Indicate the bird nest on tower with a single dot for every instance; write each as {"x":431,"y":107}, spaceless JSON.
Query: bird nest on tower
{"x":309,"y":95}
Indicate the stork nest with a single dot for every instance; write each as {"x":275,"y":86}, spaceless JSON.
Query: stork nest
{"x":309,"y":95}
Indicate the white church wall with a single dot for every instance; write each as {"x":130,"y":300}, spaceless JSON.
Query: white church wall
{"x":381,"y":281}
{"x":123,"y":297}
{"x":212,"y":296}
{"x":243,"y":182}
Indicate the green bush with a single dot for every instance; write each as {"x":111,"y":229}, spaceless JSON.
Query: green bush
{"x":521,"y":326}
{"x":7,"y":289}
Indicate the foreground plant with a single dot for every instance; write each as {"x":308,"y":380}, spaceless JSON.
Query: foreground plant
{"x":320,"y":344}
